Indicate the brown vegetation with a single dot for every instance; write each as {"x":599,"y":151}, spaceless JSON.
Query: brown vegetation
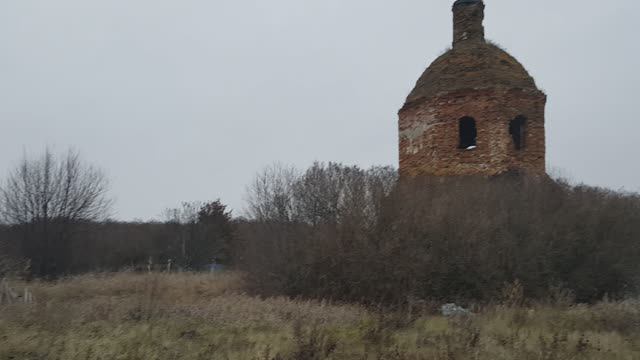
{"x":347,"y":234}
{"x":201,"y":316}
{"x":349,"y":237}
{"x":521,"y":252}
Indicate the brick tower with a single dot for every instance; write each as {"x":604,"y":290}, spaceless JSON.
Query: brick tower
{"x":474,"y":111}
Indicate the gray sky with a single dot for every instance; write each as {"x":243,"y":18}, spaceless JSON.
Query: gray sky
{"x":183,"y":100}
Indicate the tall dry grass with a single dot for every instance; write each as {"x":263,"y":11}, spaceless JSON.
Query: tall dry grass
{"x":207,"y":316}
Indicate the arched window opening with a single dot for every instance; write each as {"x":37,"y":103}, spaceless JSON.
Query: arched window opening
{"x":468,"y":133}
{"x":517,"y":130}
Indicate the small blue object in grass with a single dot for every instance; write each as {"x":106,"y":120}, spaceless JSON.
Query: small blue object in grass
{"x":216,"y":267}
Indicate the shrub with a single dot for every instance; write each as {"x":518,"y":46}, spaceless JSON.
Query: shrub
{"x":354,"y":235}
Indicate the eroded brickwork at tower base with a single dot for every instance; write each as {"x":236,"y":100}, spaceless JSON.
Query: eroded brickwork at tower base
{"x":429,"y":134}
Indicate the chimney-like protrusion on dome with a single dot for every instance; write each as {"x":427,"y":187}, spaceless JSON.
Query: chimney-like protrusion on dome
{"x":467,"y":22}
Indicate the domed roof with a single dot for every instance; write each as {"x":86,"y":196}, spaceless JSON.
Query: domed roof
{"x":466,"y":2}
{"x":481,"y":66}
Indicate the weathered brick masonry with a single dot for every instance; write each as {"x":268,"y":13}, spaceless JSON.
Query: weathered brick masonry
{"x":475,"y":110}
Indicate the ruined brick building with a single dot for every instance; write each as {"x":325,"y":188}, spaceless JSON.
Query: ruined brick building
{"x":474,"y":111}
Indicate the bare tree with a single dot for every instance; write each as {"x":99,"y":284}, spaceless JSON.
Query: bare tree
{"x":182,"y":224}
{"x":47,"y":198}
{"x":270,"y":196}
{"x":323,"y":194}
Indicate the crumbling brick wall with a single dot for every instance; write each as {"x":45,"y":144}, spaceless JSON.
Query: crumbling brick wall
{"x":429,"y":134}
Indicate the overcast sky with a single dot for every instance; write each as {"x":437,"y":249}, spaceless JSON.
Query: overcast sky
{"x":181,"y":100}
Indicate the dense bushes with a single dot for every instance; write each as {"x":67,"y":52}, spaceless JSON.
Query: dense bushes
{"x":349,"y":234}
{"x":9,"y":262}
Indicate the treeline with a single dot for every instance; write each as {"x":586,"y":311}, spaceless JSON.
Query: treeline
{"x":347,"y":234}
{"x":119,"y":246}
{"x":340,"y":232}
{"x":54,"y":221}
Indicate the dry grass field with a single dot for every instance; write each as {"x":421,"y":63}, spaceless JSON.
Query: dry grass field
{"x":203,"y":316}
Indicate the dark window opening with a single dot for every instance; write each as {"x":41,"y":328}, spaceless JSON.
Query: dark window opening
{"x":517,"y":130}
{"x":468,"y":133}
